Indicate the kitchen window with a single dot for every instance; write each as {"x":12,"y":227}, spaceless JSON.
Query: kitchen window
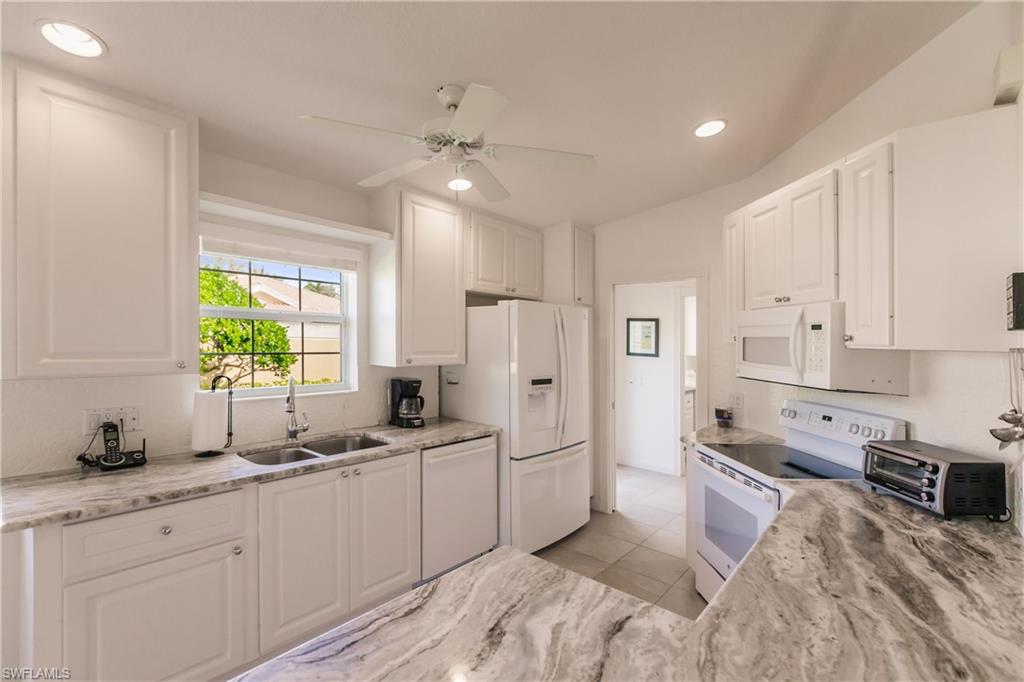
{"x":262,"y":322}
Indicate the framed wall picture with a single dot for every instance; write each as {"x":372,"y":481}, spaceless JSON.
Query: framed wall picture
{"x":642,"y":336}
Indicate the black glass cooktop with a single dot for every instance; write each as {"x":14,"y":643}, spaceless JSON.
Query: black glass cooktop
{"x":781,"y":461}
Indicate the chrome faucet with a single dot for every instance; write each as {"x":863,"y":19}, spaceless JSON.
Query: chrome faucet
{"x":294,"y":427}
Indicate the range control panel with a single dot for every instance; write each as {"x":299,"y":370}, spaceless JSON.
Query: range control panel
{"x":840,"y":424}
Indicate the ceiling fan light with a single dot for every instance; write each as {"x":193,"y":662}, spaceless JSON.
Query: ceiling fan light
{"x":71,"y":38}
{"x":459,"y":184}
{"x":709,"y":128}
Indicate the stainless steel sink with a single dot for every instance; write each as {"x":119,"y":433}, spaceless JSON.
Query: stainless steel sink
{"x":340,"y":444}
{"x":280,"y":456}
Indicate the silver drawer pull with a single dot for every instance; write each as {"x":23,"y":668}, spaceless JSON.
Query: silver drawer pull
{"x":344,"y":473}
{"x":357,"y":472}
{"x":236,"y":551}
{"x":166,"y":530}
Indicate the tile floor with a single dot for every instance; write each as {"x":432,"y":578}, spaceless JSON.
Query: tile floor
{"x":640,"y":549}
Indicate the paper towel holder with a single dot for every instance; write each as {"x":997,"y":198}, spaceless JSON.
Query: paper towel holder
{"x":231,"y":393}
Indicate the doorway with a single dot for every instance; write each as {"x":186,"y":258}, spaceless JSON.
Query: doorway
{"x":656,"y":380}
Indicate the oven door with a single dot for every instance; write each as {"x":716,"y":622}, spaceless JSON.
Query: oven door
{"x":731,"y":511}
{"x":770,"y":344}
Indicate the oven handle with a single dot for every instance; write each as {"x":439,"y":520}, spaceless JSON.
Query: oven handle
{"x":793,"y":360}
{"x":764,"y":495}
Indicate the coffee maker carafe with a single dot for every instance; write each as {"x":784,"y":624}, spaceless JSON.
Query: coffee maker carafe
{"x":406,"y":403}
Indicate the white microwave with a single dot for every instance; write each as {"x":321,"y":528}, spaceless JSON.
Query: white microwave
{"x":803,"y":345}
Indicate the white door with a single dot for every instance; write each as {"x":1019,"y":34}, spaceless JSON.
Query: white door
{"x":583,"y":266}
{"x":304,"y":555}
{"x":385,"y":528}
{"x":865,"y":247}
{"x":179,"y":618}
{"x":433,"y":289}
{"x":732,"y":235}
{"x":538,"y":393}
{"x":460,"y":503}
{"x":810,"y":258}
{"x":490,"y":255}
{"x":574,"y":327}
{"x":766,"y":235}
{"x":105,"y":196}
{"x":527,"y":268}
{"x":550,"y":497}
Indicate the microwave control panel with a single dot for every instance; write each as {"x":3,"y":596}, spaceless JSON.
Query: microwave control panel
{"x":817,"y":347}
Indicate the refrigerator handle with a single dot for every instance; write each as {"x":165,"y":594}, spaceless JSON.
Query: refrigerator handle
{"x":563,"y":353}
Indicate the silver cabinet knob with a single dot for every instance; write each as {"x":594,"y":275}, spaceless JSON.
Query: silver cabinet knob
{"x":579,"y":298}
{"x":181,"y":364}
{"x":408,"y":361}
{"x":785,"y":299}
{"x":778,"y":299}
{"x":514,"y":290}
{"x":357,"y":472}
{"x":847,"y":337}
{"x":236,"y":551}
{"x":166,"y":530}
{"x":344,"y":473}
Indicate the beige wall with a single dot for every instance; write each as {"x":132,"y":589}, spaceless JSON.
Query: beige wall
{"x":955,"y":397}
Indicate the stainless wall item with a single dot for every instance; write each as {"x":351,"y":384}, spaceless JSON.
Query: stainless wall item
{"x":1015,"y":415}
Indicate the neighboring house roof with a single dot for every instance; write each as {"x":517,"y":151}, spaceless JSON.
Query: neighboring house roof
{"x":282,"y":294}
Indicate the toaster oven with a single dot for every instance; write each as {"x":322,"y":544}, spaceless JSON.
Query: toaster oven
{"x":944,"y":481}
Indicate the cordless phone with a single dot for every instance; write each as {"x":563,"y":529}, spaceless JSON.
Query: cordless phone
{"x":113,"y":457}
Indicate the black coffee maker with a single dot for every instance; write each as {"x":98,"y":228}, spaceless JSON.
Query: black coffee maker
{"x":406,"y":403}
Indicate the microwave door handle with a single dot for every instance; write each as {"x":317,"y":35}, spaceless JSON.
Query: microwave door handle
{"x":794,"y":360}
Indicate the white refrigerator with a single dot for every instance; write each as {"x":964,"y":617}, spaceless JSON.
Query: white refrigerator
{"x":528,"y":371}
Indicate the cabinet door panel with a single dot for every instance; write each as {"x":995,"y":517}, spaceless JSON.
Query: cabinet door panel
{"x":433,"y":290}
{"x":304,"y":559}
{"x":385,"y":528}
{"x":765,"y":236}
{"x":490,"y":257}
{"x":733,"y":248}
{"x":527,"y":267}
{"x":583,"y":266}
{"x":865,"y":247}
{"x":180,"y":618}
{"x":103,"y":189}
{"x":811,"y":256}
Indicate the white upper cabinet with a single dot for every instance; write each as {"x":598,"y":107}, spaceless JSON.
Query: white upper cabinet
{"x":417,"y":286}
{"x":505,"y":259}
{"x":732,"y":238}
{"x":790,"y":244}
{"x":568,"y":265}
{"x":104,"y":259}
{"x":958,"y":231}
{"x":865,"y":247}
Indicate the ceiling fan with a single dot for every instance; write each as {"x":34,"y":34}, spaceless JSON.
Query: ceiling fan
{"x":459,"y":137}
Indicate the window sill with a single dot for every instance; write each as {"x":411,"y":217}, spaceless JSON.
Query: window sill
{"x":247,"y":394}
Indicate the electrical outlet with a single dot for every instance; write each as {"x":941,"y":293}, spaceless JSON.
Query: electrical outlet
{"x":129,"y":417}
{"x":736,"y":401}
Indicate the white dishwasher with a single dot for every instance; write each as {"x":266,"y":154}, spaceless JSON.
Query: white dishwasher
{"x":460,"y":503}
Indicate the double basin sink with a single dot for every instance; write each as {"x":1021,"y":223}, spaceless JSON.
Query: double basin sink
{"x":313,"y":450}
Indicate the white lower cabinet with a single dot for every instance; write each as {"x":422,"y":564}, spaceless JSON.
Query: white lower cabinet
{"x":181,"y":618}
{"x":304,"y":554}
{"x":385,"y":528}
{"x":334,"y":541}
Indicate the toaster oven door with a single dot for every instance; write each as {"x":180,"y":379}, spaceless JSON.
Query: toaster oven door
{"x":908,"y":478}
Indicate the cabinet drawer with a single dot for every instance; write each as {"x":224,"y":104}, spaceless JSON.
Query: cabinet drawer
{"x":93,"y":547}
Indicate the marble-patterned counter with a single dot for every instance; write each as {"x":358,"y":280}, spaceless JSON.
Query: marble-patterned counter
{"x":505,"y":616}
{"x":735,"y":435}
{"x":29,"y":501}
{"x":843,"y":585}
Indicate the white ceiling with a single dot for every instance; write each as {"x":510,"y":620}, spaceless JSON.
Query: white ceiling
{"x":624,"y":81}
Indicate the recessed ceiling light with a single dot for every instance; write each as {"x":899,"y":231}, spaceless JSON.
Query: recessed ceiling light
{"x":709,"y":128}
{"x":71,"y":38}
{"x":459,"y":184}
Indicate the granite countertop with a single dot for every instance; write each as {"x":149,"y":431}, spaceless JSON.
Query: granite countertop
{"x":735,"y":435}
{"x":843,"y":585}
{"x":29,"y":501}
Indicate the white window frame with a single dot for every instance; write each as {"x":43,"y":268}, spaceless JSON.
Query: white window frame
{"x":347,"y":325}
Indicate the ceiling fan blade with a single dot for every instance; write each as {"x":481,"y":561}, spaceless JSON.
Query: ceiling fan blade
{"x":478,"y":107}
{"x":359,"y":128}
{"x":547,"y":157}
{"x":384,"y":177}
{"x":484,"y":181}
